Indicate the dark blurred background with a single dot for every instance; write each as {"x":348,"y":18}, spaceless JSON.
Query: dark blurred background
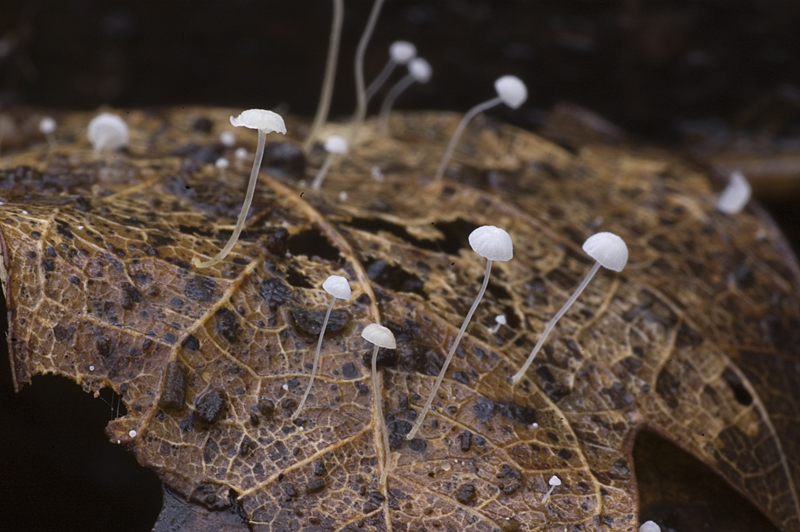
{"x":718,"y":80}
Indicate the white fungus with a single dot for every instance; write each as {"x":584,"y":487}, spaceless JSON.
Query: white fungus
{"x":227,"y":139}
{"x":361,"y":97}
{"x":222,"y":165}
{"x":493,"y":244}
{"x":609,"y":251}
{"x":265,"y":122}
{"x":47,"y":126}
{"x":419,"y":71}
{"x":510,"y":91}
{"x":400,"y":53}
{"x":499,"y":321}
{"x":108,"y":132}
{"x":735,"y":196}
{"x":554,"y":482}
{"x":240,"y":155}
{"x":649,"y":526}
{"x":335,"y":145}
{"x":339,"y":288}
{"x":380,"y":336}
{"x":132,"y":433}
{"x":330,"y":75}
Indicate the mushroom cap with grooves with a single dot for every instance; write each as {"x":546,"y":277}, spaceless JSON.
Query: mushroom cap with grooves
{"x":492,"y":243}
{"x":108,"y":132}
{"x":649,"y":526}
{"x":336,"y":144}
{"x":379,"y":335}
{"x":260,"y":119}
{"x":608,"y":249}
{"x":338,"y":287}
{"x":420,"y":70}
{"x":511,"y":90}
{"x":736,"y":194}
{"x":47,"y":125}
{"x":402,"y":52}
{"x":554,"y":481}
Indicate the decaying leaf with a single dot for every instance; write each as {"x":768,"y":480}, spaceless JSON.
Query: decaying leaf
{"x":696,"y":340}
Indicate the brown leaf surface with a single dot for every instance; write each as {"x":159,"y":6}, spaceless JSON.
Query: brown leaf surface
{"x":696,"y":340}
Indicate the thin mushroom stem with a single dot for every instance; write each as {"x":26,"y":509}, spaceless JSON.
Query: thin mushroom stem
{"x":361,"y":108}
{"x":378,"y":82}
{"x":388,"y":103}
{"x":316,"y":360}
{"x":251,"y":187}
{"x":460,"y":130}
{"x":323,"y":171}
{"x":516,"y":378}
{"x":377,"y":399}
{"x":330,"y":74}
{"x":453,"y":348}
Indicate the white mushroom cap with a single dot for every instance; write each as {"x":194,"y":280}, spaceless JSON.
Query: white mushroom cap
{"x":221,"y":163}
{"x":511,"y":90}
{"x":608,"y":249}
{"x":420,"y":69}
{"x":240,"y":153}
{"x":402,"y":52}
{"x":227,"y":138}
{"x":338,"y":287}
{"x":336,"y":144}
{"x":379,"y":335}
{"x":500,"y":319}
{"x":649,"y":526}
{"x":47,"y":125}
{"x":108,"y":132}
{"x":736,"y":194}
{"x":260,"y":119}
{"x":492,"y":243}
{"x":554,"y":481}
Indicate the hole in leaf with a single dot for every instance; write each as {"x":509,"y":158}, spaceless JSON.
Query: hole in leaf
{"x":297,"y":279}
{"x":312,"y":243}
{"x":741,"y":394}
{"x":394,"y":277}
{"x":456,"y":234}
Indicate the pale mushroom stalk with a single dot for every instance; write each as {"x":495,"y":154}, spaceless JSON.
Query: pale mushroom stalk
{"x":378,"y":82}
{"x":381,"y":337}
{"x":330,"y":75}
{"x":451,"y":146}
{"x":335,"y":145}
{"x":400,"y":53}
{"x":48,"y":126}
{"x":361,"y":108}
{"x":554,"y":482}
{"x":492,"y":243}
{"x":418,"y":70}
{"x":609,"y":251}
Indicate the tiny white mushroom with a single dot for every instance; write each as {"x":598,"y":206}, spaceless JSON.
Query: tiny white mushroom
{"x":419,"y":71}
{"x":339,"y":288}
{"x":554,"y":482}
{"x":132,"y":433}
{"x":108,"y":132}
{"x":48,"y":126}
{"x":493,"y":244}
{"x":736,"y":194}
{"x":649,"y":526}
{"x":227,"y":139}
{"x":499,"y":321}
{"x":265,"y":122}
{"x":380,"y":336}
{"x":510,"y":91}
{"x":609,"y":251}
{"x":335,"y":145}
{"x":222,"y":165}
{"x":400,"y":53}
{"x":240,"y":155}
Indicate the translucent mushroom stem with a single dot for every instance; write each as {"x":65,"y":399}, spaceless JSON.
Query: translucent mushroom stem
{"x":388,"y":103}
{"x":547,"y":495}
{"x":330,"y":75}
{"x":552,"y":323}
{"x":323,"y":171}
{"x":453,"y":348}
{"x":378,"y":82}
{"x":460,"y":130}
{"x":376,"y":397}
{"x":316,"y":360}
{"x":251,"y":187}
{"x":361,"y":108}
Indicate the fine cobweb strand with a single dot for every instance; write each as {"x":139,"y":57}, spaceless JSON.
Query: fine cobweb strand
{"x":330,"y":74}
{"x":361,"y":108}
{"x":453,"y":348}
{"x":251,"y":187}
{"x":388,"y":103}
{"x":377,"y":398}
{"x":316,"y":360}
{"x":516,"y":378}
{"x":323,"y":171}
{"x":378,"y":82}
{"x":460,"y":130}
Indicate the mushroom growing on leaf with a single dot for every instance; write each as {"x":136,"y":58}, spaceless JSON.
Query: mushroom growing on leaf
{"x":108,"y":132}
{"x":335,"y":145}
{"x":361,"y":97}
{"x":380,"y":336}
{"x":649,"y":526}
{"x":609,"y":251}
{"x":265,"y":122}
{"x":491,"y":243}
{"x":736,"y":194}
{"x":47,"y":125}
{"x":400,"y":53}
{"x":339,"y":288}
{"x":420,"y":71}
{"x":554,"y":482}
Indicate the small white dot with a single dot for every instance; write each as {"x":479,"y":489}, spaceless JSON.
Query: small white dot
{"x":25,"y":212}
{"x":91,"y":368}
{"x":80,"y":227}
{"x":132,"y":434}
{"x":342,"y":196}
{"x":300,"y":427}
{"x":285,"y":387}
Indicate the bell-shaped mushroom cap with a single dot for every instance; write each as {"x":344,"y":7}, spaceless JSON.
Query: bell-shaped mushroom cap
{"x":260,"y":119}
{"x":47,"y":125}
{"x":402,"y":52}
{"x":420,"y":70}
{"x":491,"y":243}
{"x":736,"y":194}
{"x":336,"y":144}
{"x":108,"y":132}
{"x":222,"y":163}
{"x":338,"y":287}
{"x":511,"y":90}
{"x":649,"y":526}
{"x":554,"y":481}
{"x":379,"y":335}
{"x":227,"y":138}
{"x":608,"y":249}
